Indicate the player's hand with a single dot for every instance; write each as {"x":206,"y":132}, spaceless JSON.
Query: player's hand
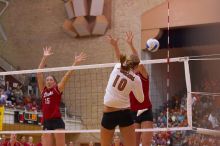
{"x":79,"y":58}
{"x":47,"y":51}
{"x":112,"y":41}
{"x":129,"y":37}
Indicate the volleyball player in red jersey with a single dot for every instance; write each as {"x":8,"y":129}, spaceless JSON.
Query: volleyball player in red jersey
{"x":142,"y":112}
{"x":51,"y":92}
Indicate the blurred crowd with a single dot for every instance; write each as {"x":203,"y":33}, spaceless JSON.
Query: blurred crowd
{"x":14,"y":140}
{"x":205,"y":114}
{"x":14,"y":97}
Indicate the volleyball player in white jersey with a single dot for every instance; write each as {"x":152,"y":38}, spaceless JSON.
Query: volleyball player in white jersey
{"x":116,"y":100}
{"x":142,"y":112}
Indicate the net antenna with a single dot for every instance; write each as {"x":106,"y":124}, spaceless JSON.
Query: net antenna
{"x":168,"y":60}
{"x":187,"y":74}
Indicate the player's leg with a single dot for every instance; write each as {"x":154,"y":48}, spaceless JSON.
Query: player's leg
{"x":47,"y":139}
{"x":109,"y":122}
{"x":138,"y":134}
{"x":146,"y":119}
{"x":58,"y":124}
{"x":146,"y":137}
{"x":127,"y":128}
{"x":128,"y":134}
{"x":106,"y":136}
{"x":60,"y":138}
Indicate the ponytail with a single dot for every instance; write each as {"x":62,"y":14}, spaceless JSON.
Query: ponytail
{"x":123,"y":61}
{"x":129,"y":63}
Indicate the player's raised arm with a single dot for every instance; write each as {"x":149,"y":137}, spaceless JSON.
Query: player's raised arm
{"x":129,"y":38}
{"x":47,"y":51}
{"x":114,"y":43}
{"x":78,"y":58}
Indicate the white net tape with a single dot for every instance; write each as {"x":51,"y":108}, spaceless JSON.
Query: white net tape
{"x":81,"y":67}
{"x":207,"y":131}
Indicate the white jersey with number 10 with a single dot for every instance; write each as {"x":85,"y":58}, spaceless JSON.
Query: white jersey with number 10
{"x":120,"y":85}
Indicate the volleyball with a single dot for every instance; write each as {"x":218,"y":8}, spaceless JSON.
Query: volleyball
{"x":152,"y":45}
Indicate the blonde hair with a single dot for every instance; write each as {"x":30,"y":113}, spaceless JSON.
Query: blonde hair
{"x":129,"y":63}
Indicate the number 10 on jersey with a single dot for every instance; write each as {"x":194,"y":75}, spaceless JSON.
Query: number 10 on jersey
{"x":119,"y":83}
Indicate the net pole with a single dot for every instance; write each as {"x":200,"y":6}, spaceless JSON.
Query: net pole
{"x":189,"y":90}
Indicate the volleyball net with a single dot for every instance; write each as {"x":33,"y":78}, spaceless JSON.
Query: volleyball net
{"x":82,"y":99}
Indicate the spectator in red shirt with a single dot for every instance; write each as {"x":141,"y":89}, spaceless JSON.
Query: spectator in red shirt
{"x":30,"y":141}
{"x":117,"y":141}
{"x":23,"y":141}
{"x":3,"y":140}
{"x":91,"y":143}
{"x":13,"y":141}
{"x":40,"y":143}
{"x":71,"y":143}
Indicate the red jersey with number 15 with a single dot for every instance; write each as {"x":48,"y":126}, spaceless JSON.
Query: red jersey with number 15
{"x":135,"y":105}
{"x":51,"y":99}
